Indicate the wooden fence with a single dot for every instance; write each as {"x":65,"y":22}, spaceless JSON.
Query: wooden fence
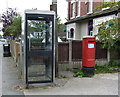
{"x":76,"y":50}
{"x":63,"y":51}
{"x":69,"y":54}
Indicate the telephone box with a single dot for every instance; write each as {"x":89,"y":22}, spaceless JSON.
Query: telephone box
{"x":38,"y":46}
{"x":88,"y":54}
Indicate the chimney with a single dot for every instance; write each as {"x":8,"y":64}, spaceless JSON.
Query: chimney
{"x":54,"y":1}
{"x":53,"y":6}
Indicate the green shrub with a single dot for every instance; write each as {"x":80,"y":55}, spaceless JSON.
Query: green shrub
{"x":112,"y":67}
{"x":79,"y":73}
{"x":114,"y":64}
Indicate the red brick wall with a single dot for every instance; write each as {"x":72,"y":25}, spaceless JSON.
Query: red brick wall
{"x":84,"y":8}
{"x":69,"y":10}
{"x":96,"y":4}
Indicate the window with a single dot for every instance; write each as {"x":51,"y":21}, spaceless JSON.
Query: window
{"x":71,"y":33}
{"x":78,"y":8}
{"x":73,"y":9}
{"x":90,"y":6}
{"x":68,"y":34}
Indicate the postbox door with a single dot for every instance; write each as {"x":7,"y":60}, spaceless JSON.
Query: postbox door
{"x":91,"y":54}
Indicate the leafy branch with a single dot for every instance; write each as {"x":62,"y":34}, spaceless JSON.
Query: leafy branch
{"x":109,"y":33}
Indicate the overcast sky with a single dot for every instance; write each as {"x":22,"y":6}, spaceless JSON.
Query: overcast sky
{"x":21,"y":5}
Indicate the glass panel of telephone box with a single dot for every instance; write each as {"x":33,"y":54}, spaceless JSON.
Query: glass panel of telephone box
{"x":40,"y":48}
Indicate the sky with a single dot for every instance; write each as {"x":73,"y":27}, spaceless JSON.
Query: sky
{"x":21,"y":5}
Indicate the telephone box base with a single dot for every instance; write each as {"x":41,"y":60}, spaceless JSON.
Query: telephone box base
{"x":6,"y":54}
{"x":88,"y":70}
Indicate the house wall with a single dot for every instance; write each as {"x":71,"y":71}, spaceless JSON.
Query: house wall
{"x":84,"y":29}
{"x":78,"y":31}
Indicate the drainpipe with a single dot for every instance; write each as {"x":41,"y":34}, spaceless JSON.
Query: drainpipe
{"x":53,"y":7}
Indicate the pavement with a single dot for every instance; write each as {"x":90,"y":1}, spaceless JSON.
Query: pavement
{"x":9,"y":75}
{"x":0,"y":72}
{"x":103,"y":84}
{"x":100,"y":84}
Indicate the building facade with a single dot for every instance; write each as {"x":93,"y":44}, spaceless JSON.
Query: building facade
{"x":83,"y":20}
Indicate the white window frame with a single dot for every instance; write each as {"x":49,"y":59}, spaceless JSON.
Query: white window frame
{"x":78,"y":8}
{"x":91,"y":33}
{"x":73,"y":10}
{"x":90,"y":6}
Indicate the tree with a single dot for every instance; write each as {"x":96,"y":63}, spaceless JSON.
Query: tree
{"x":36,"y":26}
{"x":109,"y":31}
{"x":7,"y":19}
{"x":109,"y":35}
{"x":15,"y":28}
{"x":59,"y":26}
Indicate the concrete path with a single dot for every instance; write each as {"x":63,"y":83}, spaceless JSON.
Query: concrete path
{"x":9,"y":75}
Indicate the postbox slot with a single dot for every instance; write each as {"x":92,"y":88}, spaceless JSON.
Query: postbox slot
{"x":91,"y":41}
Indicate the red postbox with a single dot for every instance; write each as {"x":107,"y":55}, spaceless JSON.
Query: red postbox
{"x":88,"y":54}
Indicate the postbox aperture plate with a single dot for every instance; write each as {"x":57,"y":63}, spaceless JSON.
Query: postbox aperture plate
{"x":90,"y":45}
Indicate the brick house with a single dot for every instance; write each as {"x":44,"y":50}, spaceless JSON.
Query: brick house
{"x":83,"y":20}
